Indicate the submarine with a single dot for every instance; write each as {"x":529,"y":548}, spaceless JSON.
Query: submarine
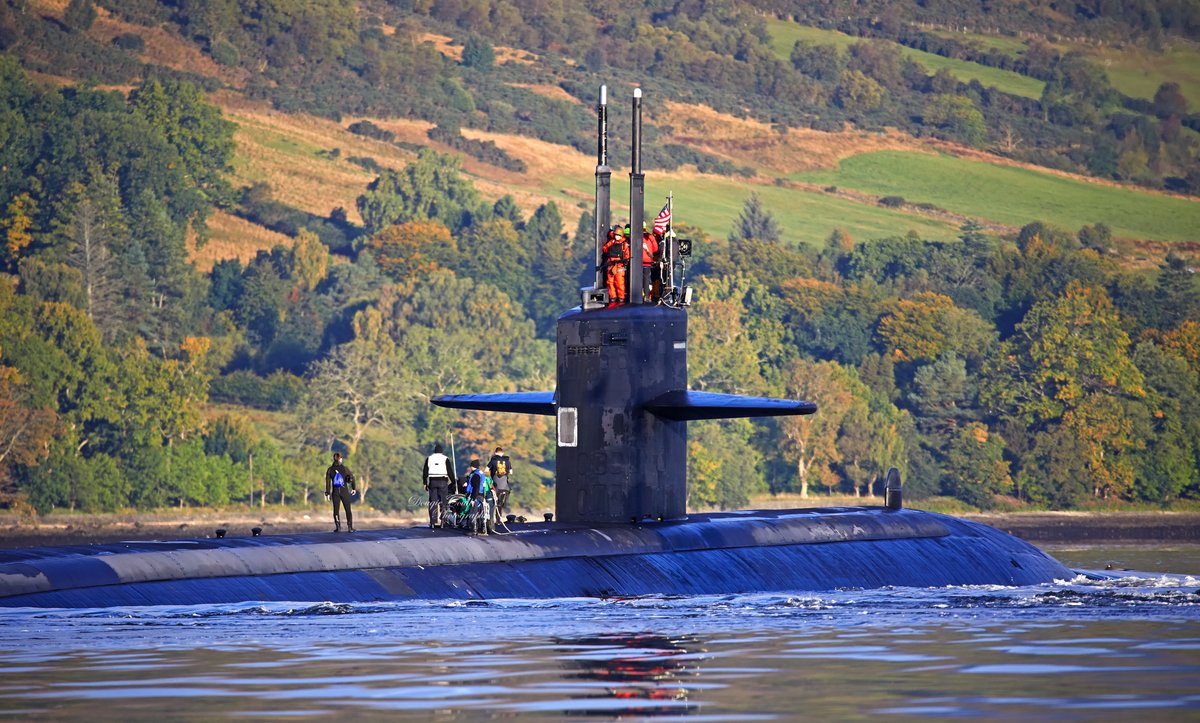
{"x":621,"y":407}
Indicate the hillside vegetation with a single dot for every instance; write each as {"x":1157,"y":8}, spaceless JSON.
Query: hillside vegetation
{"x":238,"y":235}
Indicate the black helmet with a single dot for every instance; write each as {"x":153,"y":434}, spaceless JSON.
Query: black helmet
{"x":437,"y":448}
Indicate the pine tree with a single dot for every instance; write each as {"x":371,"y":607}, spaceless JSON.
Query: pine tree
{"x":755,"y":222}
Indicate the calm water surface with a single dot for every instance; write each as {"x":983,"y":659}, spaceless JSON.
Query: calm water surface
{"x":1122,"y":649}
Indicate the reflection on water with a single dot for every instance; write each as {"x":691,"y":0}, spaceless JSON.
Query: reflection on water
{"x":1082,"y":650}
{"x":642,"y":674}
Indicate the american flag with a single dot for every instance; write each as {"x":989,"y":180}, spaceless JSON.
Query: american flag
{"x":662,"y":221}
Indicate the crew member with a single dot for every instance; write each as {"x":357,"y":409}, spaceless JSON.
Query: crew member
{"x":616,"y":257}
{"x":437,"y":475}
{"x":500,"y":466}
{"x":479,"y":490}
{"x":649,"y":264}
{"x":339,"y":485}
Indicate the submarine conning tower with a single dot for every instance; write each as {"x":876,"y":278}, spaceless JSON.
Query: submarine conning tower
{"x":616,"y":459}
{"x":622,"y":401}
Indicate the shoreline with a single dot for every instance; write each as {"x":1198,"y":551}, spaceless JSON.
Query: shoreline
{"x":56,"y":530}
{"x":1095,"y":527}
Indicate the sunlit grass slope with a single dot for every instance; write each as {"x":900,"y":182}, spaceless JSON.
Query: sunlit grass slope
{"x":805,"y":217}
{"x":784,"y":35}
{"x":1015,"y":196}
{"x":1139,"y":73}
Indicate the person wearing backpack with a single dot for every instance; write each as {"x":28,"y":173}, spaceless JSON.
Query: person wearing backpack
{"x":479,"y":490}
{"x":339,"y":486}
{"x":500,"y":465}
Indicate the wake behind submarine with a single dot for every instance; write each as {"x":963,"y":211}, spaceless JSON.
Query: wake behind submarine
{"x":622,"y":406}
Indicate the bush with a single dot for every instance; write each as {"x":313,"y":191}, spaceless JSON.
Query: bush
{"x":280,"y":390}
{"x":370,"y":130}
{"x":892,"y":201}
{"x":485,"y":151}
{"x":130,"y":41}
{"x":366,"y":162}
{"x":224,"y":53}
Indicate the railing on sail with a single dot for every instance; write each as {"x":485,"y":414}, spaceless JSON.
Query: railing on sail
{"x":674,"y":250}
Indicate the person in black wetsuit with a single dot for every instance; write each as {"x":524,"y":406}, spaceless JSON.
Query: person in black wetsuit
{"x":339,"y":485}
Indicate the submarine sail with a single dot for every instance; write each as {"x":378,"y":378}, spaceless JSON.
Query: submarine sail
{"x":622,"y":401}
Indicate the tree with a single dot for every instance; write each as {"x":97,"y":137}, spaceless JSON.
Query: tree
{"x":1105,"y":434}
{"x":1065,"y":349}
{"x":811,"y":439}
{"x":477,"y":53}
{"x":507,"y":208}
{"x":822,"y":62}
{"x":857,"y":93}
{"x":492,"y":250}
{"x":408,"y":250}
{"x":1176,"y":294}
{"x":360,"y":386}
{"x":1065,"y":373}
{"x":194,"y":127}
{"x":942,"y":395}
{"x":958,"y":118}
{"x":429,"y":188}
{"x":1169,"y":101}
{"x":722,"y":469}
{"x":79,"y":15}
{"x":754,"y":222}
{"x":95,"y":222}
{"x":976,"y":470}
{"x":25,"y":429}
{"x":929,"y":325}
{"x":17,"y":224}
{"x":724,"y":358}
{"x":1097,"y":236}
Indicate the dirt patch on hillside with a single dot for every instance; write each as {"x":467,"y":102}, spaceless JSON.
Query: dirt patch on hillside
{"x":445,"y":45}
{"x":166,"y":48}
{"x":232,"y":237}
{"x":552,"y":92}
{"x":783,"y":150}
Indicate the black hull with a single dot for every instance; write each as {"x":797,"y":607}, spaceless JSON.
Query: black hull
{"x":729,"y":553}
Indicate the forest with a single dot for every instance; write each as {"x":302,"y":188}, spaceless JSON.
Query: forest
{"x":1031,"y":369}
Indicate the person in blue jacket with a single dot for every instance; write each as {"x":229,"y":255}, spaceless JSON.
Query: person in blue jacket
{"x":339,"y":486}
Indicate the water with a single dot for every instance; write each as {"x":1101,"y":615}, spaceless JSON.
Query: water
{"x":1120,"y":649}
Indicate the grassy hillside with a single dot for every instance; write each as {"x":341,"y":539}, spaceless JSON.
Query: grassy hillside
{"x":784,"y":35}
{"x":1138,"y":73}
{"x":1014,"y":196}
{"x":292,"y":153}
{"x":804,"y":216}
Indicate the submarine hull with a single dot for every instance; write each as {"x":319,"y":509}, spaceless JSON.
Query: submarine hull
{"x":726,"y":553}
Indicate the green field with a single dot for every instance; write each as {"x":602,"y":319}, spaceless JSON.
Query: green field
{"x":714,"y":203}
{"x":1015,"y":196}
{"x":784,"y":35}
{"x":1138,"y":73}
{"x":1012,"y":46}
